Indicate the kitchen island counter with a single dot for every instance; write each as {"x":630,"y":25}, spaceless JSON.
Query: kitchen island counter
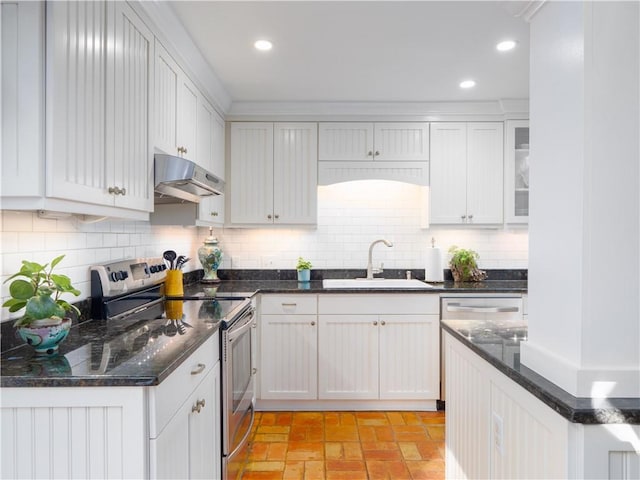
{"x":499,"y":344}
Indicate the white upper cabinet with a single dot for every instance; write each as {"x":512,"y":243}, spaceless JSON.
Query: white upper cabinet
{"x":466,"y":173}
{"x":210,"y":155}
{"x":345,"y":141}
{"x":78,"y":114}
{"x":176,"y":106}
{"x":98,"y":147}
{"x":273,"y":173}
{"x":133,"y":156}
{"x":398,"y":141}
{"x":22,"y":123}
{"x":516,"y":171}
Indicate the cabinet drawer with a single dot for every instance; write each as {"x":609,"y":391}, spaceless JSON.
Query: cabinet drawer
{"x":166,"y":398}
{"x":386,"y":303}
{"x":289,"y":304}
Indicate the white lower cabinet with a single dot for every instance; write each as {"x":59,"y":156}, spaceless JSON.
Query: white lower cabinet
{"x":168,"y":431}
{"x":184,"y":418}
{"x":288,"y":347}
{"x":348,"y":350}
{"x":325,"y":351}
{"x":187,"y":446}
{"x":378,"y":347}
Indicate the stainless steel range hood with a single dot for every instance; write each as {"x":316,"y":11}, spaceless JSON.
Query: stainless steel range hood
{"x":178,"y":180}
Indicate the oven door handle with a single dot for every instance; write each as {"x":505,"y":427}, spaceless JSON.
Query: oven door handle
{"x":246,"y":434}
{"x":238,"y":330}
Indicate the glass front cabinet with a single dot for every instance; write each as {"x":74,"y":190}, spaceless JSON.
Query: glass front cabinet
{"x":516,"y":171}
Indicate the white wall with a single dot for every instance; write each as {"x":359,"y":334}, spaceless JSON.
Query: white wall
{"x":350,"y":216}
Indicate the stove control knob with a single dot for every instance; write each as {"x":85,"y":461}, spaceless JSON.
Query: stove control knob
{"x":153,"y":269}
{"x":163,"y":268}
{"x":124,"y":275}
{"x":113,"y":276}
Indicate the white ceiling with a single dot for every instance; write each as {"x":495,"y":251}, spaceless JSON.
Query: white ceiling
{"x":379,"y":51}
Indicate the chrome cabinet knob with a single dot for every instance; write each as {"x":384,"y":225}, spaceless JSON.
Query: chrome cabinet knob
{"x":375,"y":323}
{"x":123,"y":191}
{"x":214,"y":214}
{"x":117,"y":191}
{"x":383,"y":323}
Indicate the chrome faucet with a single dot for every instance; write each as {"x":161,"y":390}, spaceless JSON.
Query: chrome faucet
{"x":370,"y":270}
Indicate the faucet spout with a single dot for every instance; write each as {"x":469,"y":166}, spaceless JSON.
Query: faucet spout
{"x":370,"y":270}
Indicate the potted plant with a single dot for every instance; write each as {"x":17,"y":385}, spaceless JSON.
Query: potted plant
{"x":304,"y":270}
{"x":44,"y":323}
{"x":464,"y":266}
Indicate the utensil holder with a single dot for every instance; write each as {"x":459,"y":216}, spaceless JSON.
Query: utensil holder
{"x":173,"y":284}
{"x":173,"y":309}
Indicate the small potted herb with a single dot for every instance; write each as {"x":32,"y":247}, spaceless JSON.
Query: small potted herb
{"x":44,"y":323}
{"x":304,"y":270}
{"x":464,"y":266}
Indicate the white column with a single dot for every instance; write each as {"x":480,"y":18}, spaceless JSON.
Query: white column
{"x":584,"y":241}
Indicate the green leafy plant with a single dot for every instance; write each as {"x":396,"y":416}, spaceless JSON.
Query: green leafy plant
{"x":464,"y":266}
{"x":39,"y":292}
{"x":303,"y":264}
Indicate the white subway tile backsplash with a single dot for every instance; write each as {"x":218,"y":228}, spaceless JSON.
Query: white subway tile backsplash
{"x":350,"y":217}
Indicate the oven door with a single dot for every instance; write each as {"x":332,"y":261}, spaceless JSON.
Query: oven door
{"x":238,"y":386}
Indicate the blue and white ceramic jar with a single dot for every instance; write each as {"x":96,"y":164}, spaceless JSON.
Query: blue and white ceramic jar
{"x":210,"y":256}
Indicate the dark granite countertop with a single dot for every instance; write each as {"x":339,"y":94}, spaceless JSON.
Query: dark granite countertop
{"x":499,"y":344}
{"x":284,"y":281}
{"x":116,"y":353}
{"x":82,"y":361}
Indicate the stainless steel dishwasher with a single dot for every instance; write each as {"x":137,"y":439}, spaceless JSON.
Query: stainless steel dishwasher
{"x":491,"y":307}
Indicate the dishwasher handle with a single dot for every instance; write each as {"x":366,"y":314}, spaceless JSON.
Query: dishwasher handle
{"x":457,"y":307}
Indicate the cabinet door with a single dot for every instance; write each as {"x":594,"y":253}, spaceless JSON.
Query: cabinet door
{"x":516,"y":171}
{"x":204,"y":428}
{"x":401,"y":141}
{"x":78,"y":115}
{"x":485,"y":181}
{"x":132,"y":156}
{"x":187,"y":118}
{"x":295,"y":177}
{"x":251,"y":187}
{"x":345,"y":141}
{"x":22,"y":134}
{"x":167,"y":75}
{"x":210,"y":209}
{"x":289,"y":357}
{"x":189,"y":445}
{"x":217,"y":204}
{"x":348,"y":355}
{"x":448,"y":173}
{"x":409,"y":357}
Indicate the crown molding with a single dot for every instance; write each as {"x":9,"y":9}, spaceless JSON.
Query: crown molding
{"x":392,"y":111}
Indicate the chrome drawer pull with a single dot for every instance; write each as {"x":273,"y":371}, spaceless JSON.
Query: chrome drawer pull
{"x":200,"y":368}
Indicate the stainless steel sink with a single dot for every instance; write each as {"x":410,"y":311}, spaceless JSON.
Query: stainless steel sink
{"x":381,"y":283}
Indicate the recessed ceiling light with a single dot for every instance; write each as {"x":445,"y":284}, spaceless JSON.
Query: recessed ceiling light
{"x":263,"y":45}
{"x":468,"y":84}
{"x":506,"y":46}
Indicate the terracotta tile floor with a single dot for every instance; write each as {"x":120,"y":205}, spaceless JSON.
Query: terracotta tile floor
{"x":346,"y":446}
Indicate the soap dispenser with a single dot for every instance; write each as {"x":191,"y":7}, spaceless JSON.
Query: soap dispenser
{"x":210,"y":256}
